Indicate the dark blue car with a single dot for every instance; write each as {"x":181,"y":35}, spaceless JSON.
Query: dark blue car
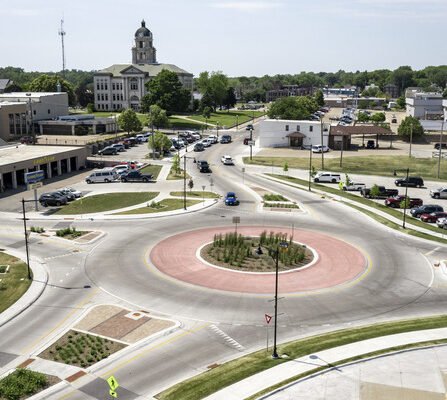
{"x":231,"y":199}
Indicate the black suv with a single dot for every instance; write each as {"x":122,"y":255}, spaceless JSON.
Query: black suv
{"x":414,"y":181}
{"x":108,"y":151}
{"x":203,"y":166}
{"x":426,"y":209}
{"x":135,"y":176}
{"x":440,"y":145}
{"x":52,"y":199}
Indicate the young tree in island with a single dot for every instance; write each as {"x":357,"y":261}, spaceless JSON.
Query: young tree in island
{"x":49,"y":83}
{"x":159,"y":143}
{"x":166,"y":91}
{"x":285,"y":168}
{"x":157,"y":117}
{"x":176,"y":164}
{"x":129,"y":122}
{"x":319,"y":98}
{"x":410,"y":127}
{"x":190,"y":184}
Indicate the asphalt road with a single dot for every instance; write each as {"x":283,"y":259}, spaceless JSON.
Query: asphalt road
{"x":400,"y":282}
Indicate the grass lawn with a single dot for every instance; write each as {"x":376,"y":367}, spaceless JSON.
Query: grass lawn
{"x":80,"y":349}
{"x":152,"y":169}
{"x":106,"y":202}
{"x":228,"y":119}
{"x":180,"y":123}
{"x":161,"y":206}
{"x":369,"y":165}
{"x":173,"y":176}
{"x":14,"y":283}
{"x":226,"y":374}
{"x":206,"y":195}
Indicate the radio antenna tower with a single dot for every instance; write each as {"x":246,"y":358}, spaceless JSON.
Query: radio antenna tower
{"x":62,"y":34}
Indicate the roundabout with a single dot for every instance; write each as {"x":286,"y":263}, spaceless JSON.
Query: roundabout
{"x":335,"y":263}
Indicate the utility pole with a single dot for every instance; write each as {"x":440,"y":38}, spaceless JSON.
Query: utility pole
{"x":26,"y":238}
{"x":440,"y":149}
{"x":322,"y":144}
{"x":62,"y":34}
{"x":411,"y":139}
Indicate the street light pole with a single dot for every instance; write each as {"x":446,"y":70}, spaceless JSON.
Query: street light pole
{"x":310,"y":166}
{"x":184,"y":178}
{"x":251,"y":143}
{"x":217,"y":130}
{"x":440,"y":149}
{"x":406,"y":197}
{"x":26,"y":239}
{"x":411,"y":139}
{"x":322,"y":144}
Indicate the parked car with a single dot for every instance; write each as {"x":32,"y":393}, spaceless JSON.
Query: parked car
{"x":328,"y":177}
{"x":207,"y":142}
{"x":383,"y":193}
{"x":203,"y":166}
{"x":199,"y":147}
{"x":105,"y":175}
{"x":425,"y":209}
{"x":70,"y":196}
{"x":26,"y":140}
{"x":225,"y":139}
{"x":440,"y":145}
{"x":414,"y":181}
{"x":433,"y":217}
{"x":108,"y":151}
{"x":213,"y":138}
{"x":353,"y":186}
{"x":121,"y":169}
{"x":119,"y":146}
{"x":370,"y":144}
{"x":395,"y":202}
{"x":318,"y":148}
{"x":52,"y":199}
{"x":231,"y":199}
{"x":76,"y":193}
{"x":440,"y":193}
{"x":135,"y":176}
{"x":227,"y":160}
{"x":441,"y":223}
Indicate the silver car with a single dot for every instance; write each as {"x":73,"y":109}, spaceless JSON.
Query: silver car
{"x":440,"y":193}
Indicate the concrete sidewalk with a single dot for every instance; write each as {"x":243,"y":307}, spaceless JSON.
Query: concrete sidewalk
{"x":275,"y":375}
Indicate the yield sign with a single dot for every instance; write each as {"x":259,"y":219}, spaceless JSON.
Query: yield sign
{"x":268,"y":318}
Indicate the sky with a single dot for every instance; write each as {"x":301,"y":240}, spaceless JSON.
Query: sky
{"x":239,"y":38}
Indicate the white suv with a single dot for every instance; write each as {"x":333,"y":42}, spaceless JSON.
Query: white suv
{"x":327,"y":177}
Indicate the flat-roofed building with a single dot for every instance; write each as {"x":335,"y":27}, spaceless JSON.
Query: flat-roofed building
{"x":425,"y":105}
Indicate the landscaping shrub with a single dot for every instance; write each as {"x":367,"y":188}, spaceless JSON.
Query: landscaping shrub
{"x":22,"y":383}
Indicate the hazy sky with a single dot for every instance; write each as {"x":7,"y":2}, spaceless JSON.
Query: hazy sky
{"x":247,"y":37}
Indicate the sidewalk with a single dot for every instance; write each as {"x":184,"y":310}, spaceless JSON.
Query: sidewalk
{"x":275,"y":375}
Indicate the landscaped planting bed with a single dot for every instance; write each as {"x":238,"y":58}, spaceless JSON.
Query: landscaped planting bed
{"x":81,"y":349}
{"x":23,"y":383}
{"x":281,"y":205}
{"x":255,"y":254}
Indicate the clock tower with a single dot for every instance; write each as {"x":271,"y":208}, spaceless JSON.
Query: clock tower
{"x":143,"y":52}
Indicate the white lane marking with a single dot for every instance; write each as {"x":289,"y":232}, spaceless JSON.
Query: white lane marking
{"x":227,"y":338}
{"x":431,"y":270}
{"x":429,"y":253}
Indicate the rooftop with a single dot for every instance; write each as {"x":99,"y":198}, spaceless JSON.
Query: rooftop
{"x":150,"y":69}
{"x":19,"y":153}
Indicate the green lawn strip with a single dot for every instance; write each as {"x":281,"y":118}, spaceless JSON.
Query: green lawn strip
{"x":14,"y":283}
{"x":365,"y":165}
{"x":274,"y":197}
{"x":361,"y":200}
{"x":153,"y":169}
{"x":106,"y":202}
{"x":206,"y":195}
{"x":23,"y":383}
{"x":180,"y":123}
{"x":173,"y":175}
{"x":227,"y":119}
{"x":234,"y":371}
{"x":347,"y":361}
{"x":161,"y":206}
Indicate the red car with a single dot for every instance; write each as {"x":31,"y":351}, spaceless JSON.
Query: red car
{"x":433,"y":217}
{"x":395,"y":201}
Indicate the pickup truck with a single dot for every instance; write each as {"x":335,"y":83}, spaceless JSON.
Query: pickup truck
{"x":353,"y":186}
{"x":395,"y":201}
{"x":384,"y":193}
{"x":135,"y":176}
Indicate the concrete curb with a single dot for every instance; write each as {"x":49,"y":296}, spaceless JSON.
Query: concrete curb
{"x":40,"y":280}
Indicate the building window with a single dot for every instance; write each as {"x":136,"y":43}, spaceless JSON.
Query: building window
{"x":311,"y":128}
{"x":97,"y":85}
{"x":297,"y":128}
{"x":106,"y":87}
{"x":141,"y":45}
{"x":34,"y":112}
{"x":102,"y":86}
{"x":102,"y":97}
{"x":98,"y":97}
{"x":107,"y":97}
{"x":113,"y":86}
{"x":49,"y":111}
{"x":134,"y":84}
{"x":287,"y":128}
{"x":113,"y":97}
{"x":107,"y":106}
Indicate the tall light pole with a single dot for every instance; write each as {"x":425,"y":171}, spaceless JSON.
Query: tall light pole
{"x":407,"y":172}
{"x":26,"y":237}
{"x":411,"y":139}
{"x":217,"y":130}
{"x":440,"y":149}
{"x":310,"y":166}
{"x":184,"y":178}
{"x":283,"y":246}
{"x":251,"y":143}
{"x":322,"y":144}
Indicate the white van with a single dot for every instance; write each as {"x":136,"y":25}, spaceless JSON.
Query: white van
{"x":327,"y":177}
{"x":102,"y":175}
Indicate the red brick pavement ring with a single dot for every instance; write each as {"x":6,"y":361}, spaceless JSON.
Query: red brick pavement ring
{"x":338,"y":262}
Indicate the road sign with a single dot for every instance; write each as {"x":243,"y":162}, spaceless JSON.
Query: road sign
{"x":268,"y":318}
{"x":34,"y":176}
{"x":112,"y":393}
{"x":112,"y":383}
{"x":251,"y":142}
{"x":236,"y":220}
{"x":243,"y":169}
{"x":36,"y":185}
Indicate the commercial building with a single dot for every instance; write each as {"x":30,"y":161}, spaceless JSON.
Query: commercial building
{"x":286,"y":91}
{"x":425,"y":106}
{"x":82,"y":124}
{"x":291,"y":133}
{"x":122,"y":86}
{"x":21,"y":111}
{"x":16,"y":161}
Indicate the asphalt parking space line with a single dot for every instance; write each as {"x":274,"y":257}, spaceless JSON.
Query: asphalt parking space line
{"x":429,"y":253}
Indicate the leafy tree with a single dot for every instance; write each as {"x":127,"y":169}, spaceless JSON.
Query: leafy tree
{"x":13,"y":88}
{"x":176,"y":163}
{"x":84,"y":95}
{"x":364,"y":104}
{"x":90,"y":108}
{"x":286,"y":167}
{"x":47,"y":83}
{"x":230,"y":99}
{"x":166,"y":91}
{"x":215,"y":85}
{"x":403,"y":77}
{"x":410,"y":126}
{"x":375,"y":191}
{"x":129,"y":122}
{"x":207,"y":102}
{"x":444,"y":94}
{"x":319,"y":98}
{"x":159,"y":142}
{"x":295,"y":108}
{"x":378,"y":117}
{"x":401,"y":102}
{"x":363,"y":117}
{"x":405,"y":203}
{"x":206,"y":112}
{"x":157,"y":117}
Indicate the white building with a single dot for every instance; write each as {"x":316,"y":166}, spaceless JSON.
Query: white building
{"x":291,"y":133}
{"x":122,"y":86}
{"x":424,"y":105}
{"x":444,"y":106}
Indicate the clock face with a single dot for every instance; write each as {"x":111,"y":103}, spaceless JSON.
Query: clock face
{"x":140,"y":34}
